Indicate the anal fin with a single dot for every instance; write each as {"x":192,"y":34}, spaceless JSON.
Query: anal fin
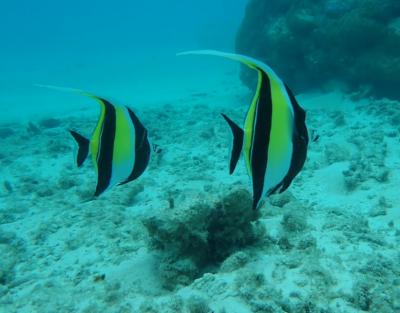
{"x":237,"y":146}
{"x":83,"y":147}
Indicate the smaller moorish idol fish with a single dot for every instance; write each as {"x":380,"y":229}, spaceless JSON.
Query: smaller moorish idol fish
{"x":119,"y":145}
{"x":274,"y":140}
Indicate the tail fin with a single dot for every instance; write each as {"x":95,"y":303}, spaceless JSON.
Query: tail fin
{"x":238,"y":135}
{"x":83,"y":147}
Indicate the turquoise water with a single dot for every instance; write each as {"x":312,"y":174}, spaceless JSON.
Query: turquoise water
{"x":182,"y":236}
{"x":112,"y":49}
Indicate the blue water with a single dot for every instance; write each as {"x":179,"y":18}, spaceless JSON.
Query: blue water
{"x":113,"y":48}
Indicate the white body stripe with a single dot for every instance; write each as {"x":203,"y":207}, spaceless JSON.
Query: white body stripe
{"x":278,"y":169}
{"x":276,"y":172}
{"x":123,"y":163}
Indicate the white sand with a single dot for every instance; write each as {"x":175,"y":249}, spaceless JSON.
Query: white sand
{"x":55,"y":246}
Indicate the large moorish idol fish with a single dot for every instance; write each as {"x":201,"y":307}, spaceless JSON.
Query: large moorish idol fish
{"x":119,"y":145}
{"x":274,"y":140}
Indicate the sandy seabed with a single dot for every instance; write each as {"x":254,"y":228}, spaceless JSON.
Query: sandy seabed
{"x":328,"y":244}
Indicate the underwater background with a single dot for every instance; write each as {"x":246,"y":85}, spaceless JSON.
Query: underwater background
{"x":123,"y":47}
{"x":183,"y":236}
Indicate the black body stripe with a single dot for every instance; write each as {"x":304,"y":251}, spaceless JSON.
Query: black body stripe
{"x":260,"y":140}
{"x":300,"y":142}
{"x":142,"y":148}
{"x":106,"y":148}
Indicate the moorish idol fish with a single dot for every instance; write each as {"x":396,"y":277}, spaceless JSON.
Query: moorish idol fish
{"x":119,"y":145}
{"x":274,"y":140}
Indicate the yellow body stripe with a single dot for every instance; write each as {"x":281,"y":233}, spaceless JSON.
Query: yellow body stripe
{"x":123,"y":137}
{"x":249,"y":125}
{"x":95,"y":140}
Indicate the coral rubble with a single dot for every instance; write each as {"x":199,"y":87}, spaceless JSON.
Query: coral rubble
{"x":202,"y":236}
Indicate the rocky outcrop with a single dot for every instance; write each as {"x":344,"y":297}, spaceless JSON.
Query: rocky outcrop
{"x":312,"y":43}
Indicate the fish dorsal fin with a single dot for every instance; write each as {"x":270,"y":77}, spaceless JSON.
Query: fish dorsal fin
{"x":238,"y":135}
{"x":72,"y":90}
{"x":248,"y":61}
{"x":102,"y":102}
{"x":58,"y":88}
